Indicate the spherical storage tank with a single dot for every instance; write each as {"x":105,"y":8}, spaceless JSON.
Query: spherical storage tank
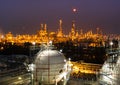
{"x":50,"y":67}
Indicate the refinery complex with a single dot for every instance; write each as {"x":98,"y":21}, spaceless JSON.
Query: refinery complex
{"x":59,"y":42}
{"x":54,"y":58}
{"x":43,"y":36}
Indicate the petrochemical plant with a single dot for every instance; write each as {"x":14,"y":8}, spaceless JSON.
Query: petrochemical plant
{"x":43,"y":36}
{"x":48,"y":66}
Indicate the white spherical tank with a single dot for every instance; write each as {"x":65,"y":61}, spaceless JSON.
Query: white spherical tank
{"x":50,"y":66}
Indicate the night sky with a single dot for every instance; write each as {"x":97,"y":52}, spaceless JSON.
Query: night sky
{"x":25,"y":16}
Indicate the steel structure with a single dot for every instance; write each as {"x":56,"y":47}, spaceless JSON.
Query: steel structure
{"x":110,"y":72}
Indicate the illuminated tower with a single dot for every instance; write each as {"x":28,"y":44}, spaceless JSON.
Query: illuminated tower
{"x":77,"y":34}
{"x":60,"y":30}
{"x":81,"y":32}
{"x":41,"y":27}
{"x":73,"y":28}
{"x":42,"y":33}
{"x":60,"y":21}
{"x":45,"y":27}
{"x":43,"y":30}
{"x":73,"y":33}
{"x":97,"y":30}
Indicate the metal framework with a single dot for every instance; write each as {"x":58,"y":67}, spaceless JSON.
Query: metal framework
{"x":110,"y":72}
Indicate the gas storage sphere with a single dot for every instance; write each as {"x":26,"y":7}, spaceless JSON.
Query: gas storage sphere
{"x":49,"y":65}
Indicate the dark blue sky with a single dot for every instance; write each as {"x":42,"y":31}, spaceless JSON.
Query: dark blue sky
{"x":25,"y":16}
